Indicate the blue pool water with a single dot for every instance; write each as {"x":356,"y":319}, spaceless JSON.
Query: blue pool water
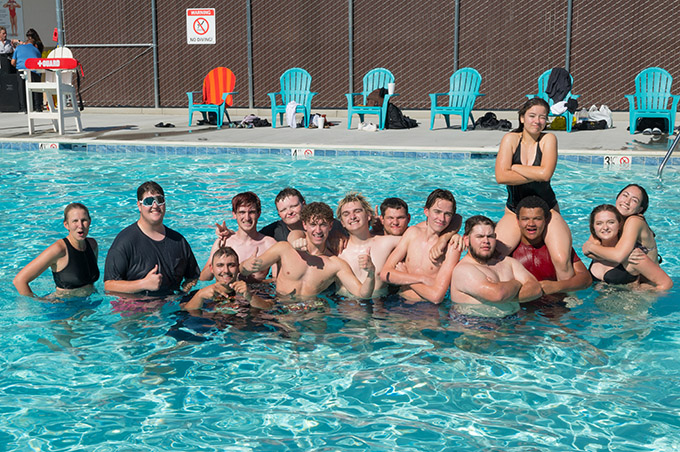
{"x":602,"y":376}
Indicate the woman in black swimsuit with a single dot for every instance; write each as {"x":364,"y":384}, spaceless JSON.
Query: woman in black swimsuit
{"x":606,"y":226}
{"x":526,"y":162}
{"x":73,"y":259}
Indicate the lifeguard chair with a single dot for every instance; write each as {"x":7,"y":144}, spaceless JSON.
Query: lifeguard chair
{"x":59,"y":67}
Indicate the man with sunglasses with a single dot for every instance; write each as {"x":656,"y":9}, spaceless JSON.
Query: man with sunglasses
{"x":148,"y":257}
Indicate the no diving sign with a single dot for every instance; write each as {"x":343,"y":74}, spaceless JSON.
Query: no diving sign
{"x":201,"y":26}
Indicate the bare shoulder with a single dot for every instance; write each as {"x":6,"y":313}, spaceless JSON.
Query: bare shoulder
{"x":337,"y":263}
{"x":268,"y":241}
{"x":463,"y":267}
{"x":635,"y":221}
{"x":549,"y":140}
{"x":386,"y":240}
{"x":511,"y":139}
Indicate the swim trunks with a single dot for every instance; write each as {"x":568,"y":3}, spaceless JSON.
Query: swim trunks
{"x":81,"y":269}
{"x":541,"y":189}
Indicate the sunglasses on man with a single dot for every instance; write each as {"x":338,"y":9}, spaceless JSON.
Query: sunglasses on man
{"x":149,"y":200}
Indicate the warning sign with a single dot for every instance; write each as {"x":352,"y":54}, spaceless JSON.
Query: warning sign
{"x":201,"y":26}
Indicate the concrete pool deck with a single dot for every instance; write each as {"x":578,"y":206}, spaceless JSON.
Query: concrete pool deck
{"x":125,"y":126}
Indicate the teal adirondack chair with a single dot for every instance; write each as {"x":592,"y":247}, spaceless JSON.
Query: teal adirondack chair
{"x":218,"y":94}
{"x":542,"y":85}
{"x":374,"y":79}
{"x":463,"y":92}
{"x":295,"y":86}
{"x":652,"y":93}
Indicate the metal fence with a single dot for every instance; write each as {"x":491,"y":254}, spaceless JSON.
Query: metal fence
{"x":604,"y":43}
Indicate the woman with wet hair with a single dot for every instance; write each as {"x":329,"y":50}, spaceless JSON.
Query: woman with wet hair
{"x":73,"y":259}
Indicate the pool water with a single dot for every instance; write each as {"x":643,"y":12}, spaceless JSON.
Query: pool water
{"x":603,"y":375}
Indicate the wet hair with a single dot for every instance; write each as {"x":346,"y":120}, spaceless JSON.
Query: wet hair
{"x":393,"y":203}
{"x":605,"y":208}
{"x":533,"y":202}
{"x":475,"y":220}
{"x":225,"y":251}
{"x":644,"y":201}
{"x":354,"y":197}
{"x":440,"y":194}
{"x":246,"y":198}
{"x":287,"y":192}
{"x":75,"y":205}
{"x":527,"y":105}
{"x":316,"y":210}
{"x":151,"y":187}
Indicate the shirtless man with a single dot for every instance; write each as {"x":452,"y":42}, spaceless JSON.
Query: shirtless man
{"x":484,"y":283}
{"x":422,"y":278}
{"x":289,"y":203}
{"x":355,"y":215}
{"x":246,"y":241}
{"x":224,"y":265}
{"x":532,"y":216}
{"x":307,"y":273}
{"x":393,"y":219}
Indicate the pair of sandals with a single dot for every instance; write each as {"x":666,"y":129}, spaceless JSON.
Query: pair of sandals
{"x":651,"y":131}
{"x":166,"y":125}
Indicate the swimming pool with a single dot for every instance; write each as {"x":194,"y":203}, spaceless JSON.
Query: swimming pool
{"x":80,"y":376}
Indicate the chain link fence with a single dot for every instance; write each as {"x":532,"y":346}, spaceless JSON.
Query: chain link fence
{"x":509,"y":43}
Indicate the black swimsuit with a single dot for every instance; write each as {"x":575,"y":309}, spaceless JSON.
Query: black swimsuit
{"x":616,"y":275}
{"x":81,"y":269}
{"x":541,"y":189}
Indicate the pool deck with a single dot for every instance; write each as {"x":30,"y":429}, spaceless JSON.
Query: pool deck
{"x":125,"y":126}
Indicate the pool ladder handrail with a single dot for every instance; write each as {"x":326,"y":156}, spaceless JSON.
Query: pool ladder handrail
{"x":674,"y":145}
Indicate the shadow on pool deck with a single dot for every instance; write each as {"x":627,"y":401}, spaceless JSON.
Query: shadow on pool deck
{"x":138,"y":125}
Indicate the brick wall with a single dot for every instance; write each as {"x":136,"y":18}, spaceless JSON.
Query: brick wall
{"x":509,"y":43}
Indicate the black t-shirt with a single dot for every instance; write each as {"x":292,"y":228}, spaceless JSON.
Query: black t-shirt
{"x":133,"y":254}
{"x":277,"y":229}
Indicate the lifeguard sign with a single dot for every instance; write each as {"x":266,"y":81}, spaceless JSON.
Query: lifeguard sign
{"x":201,"y":26}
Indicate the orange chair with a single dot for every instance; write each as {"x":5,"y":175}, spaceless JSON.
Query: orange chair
{"x":217,"y":93}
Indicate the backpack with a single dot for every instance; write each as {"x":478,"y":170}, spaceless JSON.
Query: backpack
{"x":396,"y":119}
{"x":376,"y":97}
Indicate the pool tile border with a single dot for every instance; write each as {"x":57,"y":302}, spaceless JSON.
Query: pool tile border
{"x":183,"y":149}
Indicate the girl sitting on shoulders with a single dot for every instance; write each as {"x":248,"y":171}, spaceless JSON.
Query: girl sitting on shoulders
{"x":525,"y":162}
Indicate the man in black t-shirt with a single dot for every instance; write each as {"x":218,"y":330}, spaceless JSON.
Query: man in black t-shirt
{"x":148,"y":257}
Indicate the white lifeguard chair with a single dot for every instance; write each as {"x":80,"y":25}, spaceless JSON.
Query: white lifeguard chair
{"x":57,"y":85}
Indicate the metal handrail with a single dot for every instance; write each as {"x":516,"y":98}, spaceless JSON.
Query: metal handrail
{"x":674,"y":145}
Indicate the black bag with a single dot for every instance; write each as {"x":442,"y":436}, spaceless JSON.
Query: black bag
{"x":376,"y":97}
{"x":488,"y":121}
{"x":397,"y":120}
